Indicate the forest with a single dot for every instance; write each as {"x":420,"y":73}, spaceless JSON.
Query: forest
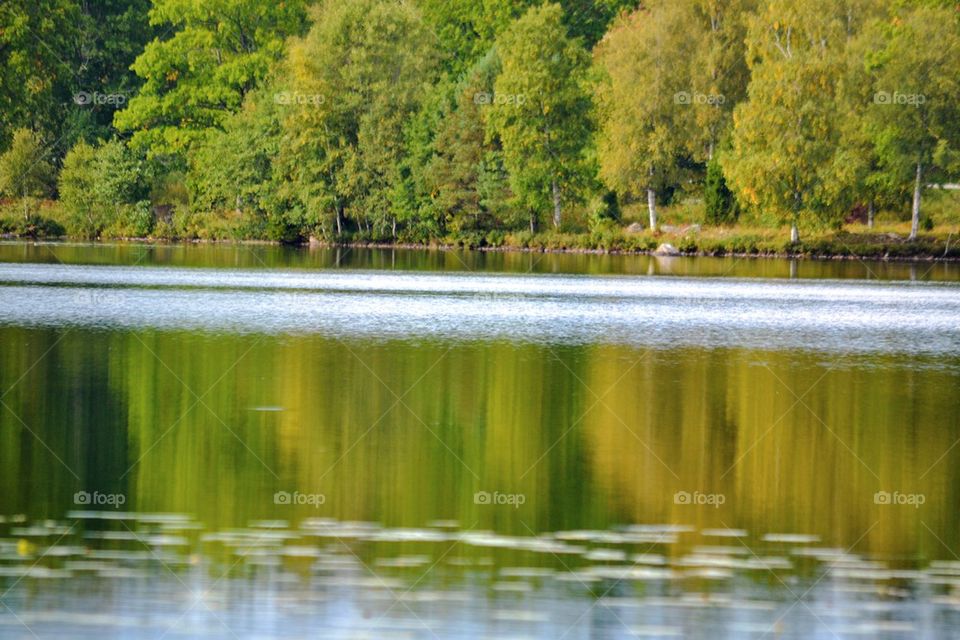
{"x":720,"y":125}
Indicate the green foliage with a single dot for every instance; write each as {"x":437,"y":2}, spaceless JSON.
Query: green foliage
{"x":78,"y":180}
{"x":103,"y":186}
{"x":787,"y":131}
{"x":465,"y":179}
{"x":250,"y":139}
{"x":641,"y":141}
{"x":466,"y":29}
{"x":721,"y":206}
{"x":353,"y":93}
{"x":605,"y":213}
{"x":540,"y":110}
{"x":467,"y":122}
{"x":192,"y":81}
{"x":35,"y":82}
{"x":25,"y":171}
{"x":912,"y":123}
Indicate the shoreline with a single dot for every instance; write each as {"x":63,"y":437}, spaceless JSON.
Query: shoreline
{"x":951,"y":255}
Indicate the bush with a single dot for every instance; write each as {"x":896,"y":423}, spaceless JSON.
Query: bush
{"x":104,"y":186}
{"x":605,"y":211}
{"x":720,"y":203}
{"x":24,"y":171}
{"x":36,"y":226}
{"x":496,"y":239}
{"x":132,"y":221}
{"x":78,"y":192}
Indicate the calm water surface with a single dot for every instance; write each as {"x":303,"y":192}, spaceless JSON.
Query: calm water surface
{"x":256,"y":442}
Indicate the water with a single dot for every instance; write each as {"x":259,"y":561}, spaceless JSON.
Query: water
{"x":256,"y":442}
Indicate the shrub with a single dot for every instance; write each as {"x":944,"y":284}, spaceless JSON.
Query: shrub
{"x":720,"y":203}
{"x":24,"y":170}
{"x":104,"y":186}
{"x":132,"y":221}
{"x":78,"y":192}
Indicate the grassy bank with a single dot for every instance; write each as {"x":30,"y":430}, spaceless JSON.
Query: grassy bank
{"x":680,"y":231}
{"x":889,"y":243}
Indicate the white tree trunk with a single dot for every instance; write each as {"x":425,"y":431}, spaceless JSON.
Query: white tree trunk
{"x":918,"y":185}
{"x":871,"y":210}
{"x":794,"y":234}
{"x":652,"y":206}
{"x":556,"y":205}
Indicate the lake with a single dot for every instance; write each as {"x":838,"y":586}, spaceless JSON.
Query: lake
{"x":266,"y":442}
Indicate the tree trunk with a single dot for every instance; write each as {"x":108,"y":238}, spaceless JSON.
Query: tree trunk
{"x":556,"y":205}
{"x":533,"y":222}
{"x":339,"y":221}
{"x":918,"y":185}
{"x":652,"y":206}
{"x":394,"y":230}
{"x":794,"y":233}
{"x":871,"y":210}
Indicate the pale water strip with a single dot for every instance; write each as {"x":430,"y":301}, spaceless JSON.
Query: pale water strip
{"x":830,"y":316}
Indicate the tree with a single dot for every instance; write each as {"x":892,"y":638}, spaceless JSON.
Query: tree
{"x":356,"y":79}
{"x":99,"y":184}
{"x":913,"y":118}
{"x":644,"y":100}
{"x":720,"y":204}
{"x":787,"y":132}
{"x":78,"y":191}
{"x":590,"y":20}
{"x":467,"y":186}
{"x":541,"y":110}
{"x":233,"y":169}
{"x":194,"y":80}
{"x":24,"y":169}
{"x":37,"y":38}
{"x":861,"y":181}
{"x":466,"y":29}
{"x":718,"y":73}
{"x":110,"y":34}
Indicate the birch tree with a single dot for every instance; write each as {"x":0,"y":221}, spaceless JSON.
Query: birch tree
{"x":540,"y":109}
{"x":787,"y":131}
{"x":913,"y":119}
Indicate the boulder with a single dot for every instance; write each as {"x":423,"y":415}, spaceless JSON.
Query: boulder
{"x":636,"y":227}
{"x":667,"y":249}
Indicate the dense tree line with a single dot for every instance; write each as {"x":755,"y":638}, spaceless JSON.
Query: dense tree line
{"x":411,"y":121}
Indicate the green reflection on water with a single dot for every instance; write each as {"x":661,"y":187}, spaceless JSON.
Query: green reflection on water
{"x":405,"y":433}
